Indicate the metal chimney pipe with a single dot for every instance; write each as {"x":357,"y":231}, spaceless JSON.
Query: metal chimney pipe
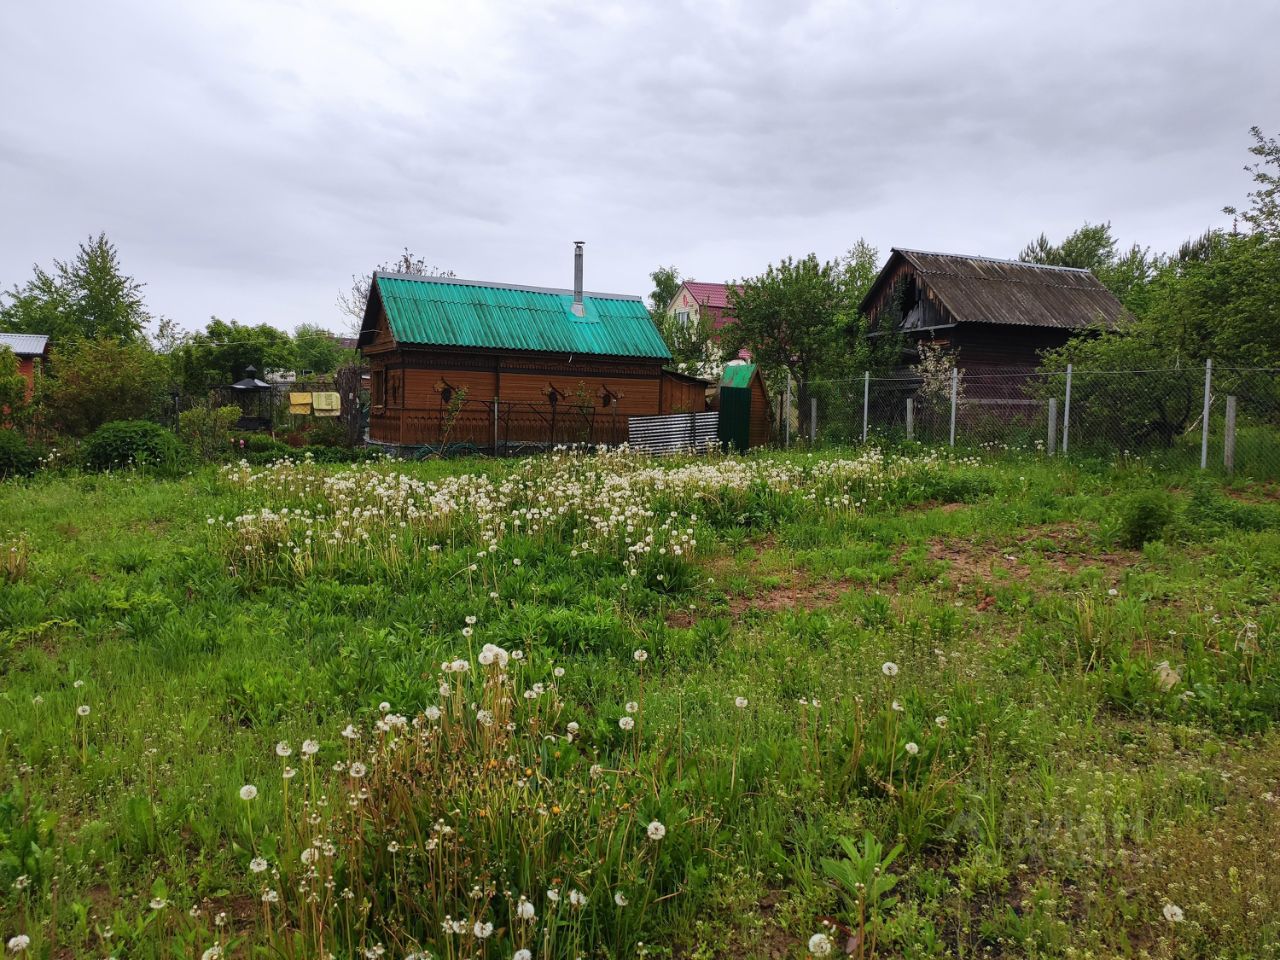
{"x":577,"y":278}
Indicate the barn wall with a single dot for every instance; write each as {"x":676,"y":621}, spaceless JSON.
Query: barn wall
{"x":680,"y":395}
{"x":984,"y":346}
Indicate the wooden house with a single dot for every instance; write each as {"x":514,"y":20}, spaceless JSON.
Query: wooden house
{"x":32,"y":351}
{"x":494,"y":365}
{"x":992,"y":314}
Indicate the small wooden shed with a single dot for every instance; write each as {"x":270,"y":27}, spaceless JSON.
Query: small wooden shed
{"x":746,"y":419}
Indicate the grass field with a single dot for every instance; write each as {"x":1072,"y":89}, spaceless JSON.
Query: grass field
{"x":912,"y":706}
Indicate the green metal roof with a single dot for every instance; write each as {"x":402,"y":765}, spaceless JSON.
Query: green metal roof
{"x":438,"y":311}
{"x":738,"y":375}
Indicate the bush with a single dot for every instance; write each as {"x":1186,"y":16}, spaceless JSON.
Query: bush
{"x":17,"y":458}
{"x":1144,"y":516}
{"x":132,"y":443}
{"x":328,"y":433}
{"x":259,"y":443}
{"x":207,"y":430}
{"x":99,"y":381}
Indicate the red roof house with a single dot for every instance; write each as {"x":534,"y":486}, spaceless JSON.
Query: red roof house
{"x":695,"y":299}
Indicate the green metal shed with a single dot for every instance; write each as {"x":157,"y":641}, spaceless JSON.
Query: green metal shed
{"x":744,"y":408}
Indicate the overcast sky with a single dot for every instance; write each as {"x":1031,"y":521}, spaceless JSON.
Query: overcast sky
{"x":249,"y":156}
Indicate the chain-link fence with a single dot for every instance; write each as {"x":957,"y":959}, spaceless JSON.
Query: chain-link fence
{"x":1225,"y":419}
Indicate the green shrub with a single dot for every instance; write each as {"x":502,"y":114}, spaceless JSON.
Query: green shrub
{"x":207,"y":430}
{"x":1210,"y":512}
{"x":1144,"y":516}
{"x":17,"y":458}
{"x":329,"y":432}
{"x":132,"y":443}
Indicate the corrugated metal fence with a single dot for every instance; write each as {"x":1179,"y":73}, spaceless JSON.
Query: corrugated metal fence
{"x":673,"y":432}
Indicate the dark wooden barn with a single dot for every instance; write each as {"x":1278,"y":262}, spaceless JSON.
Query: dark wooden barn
{"x":992,"y":314}
{"x":490,"y":365}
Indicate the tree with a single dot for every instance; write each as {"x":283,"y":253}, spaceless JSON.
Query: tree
{"x":875,"y":350}
{"x":89,"y":298}
{"x":352,"y":302}
{"x":97,"y":381}
{"x":793,"y":319}
{"x":1264,"y":213}
{"x":694,"y":344}
{"x":13,"y":389}
{"x":220,"y":354}
{"x":317,"y":349}
{"x":666,"y":281}
{"x":1093,"y":248}
{"x":1222,"y":301}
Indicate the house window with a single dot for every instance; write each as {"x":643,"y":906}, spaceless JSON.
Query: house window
{"x":683,"y":317}
{"x":378,"y":388}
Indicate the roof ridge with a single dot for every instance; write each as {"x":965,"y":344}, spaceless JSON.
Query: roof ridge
{"x":972,"y":256}
{"x":458,"y":281}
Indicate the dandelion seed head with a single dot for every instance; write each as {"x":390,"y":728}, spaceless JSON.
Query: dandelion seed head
{"x":820,"y":945}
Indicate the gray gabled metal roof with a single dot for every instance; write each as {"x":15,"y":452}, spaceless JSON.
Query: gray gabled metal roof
{"x":25,"y":344}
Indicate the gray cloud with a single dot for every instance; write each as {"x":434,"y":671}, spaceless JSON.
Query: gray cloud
{"x":248,"y":157}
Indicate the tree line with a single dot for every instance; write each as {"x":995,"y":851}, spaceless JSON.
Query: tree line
{"x":112,"y":359}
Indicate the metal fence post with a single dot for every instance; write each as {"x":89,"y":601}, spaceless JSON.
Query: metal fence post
{"x":813,"y":421}
{"x":955,"y":391}
{"x":911,"y":418}
{"x":1066,"y":414}
{"x":1229,"y":438}
{"x":866,"y":401}
{"x":787,"y":428}
{"x":1204,"y":423}
{"x":495,"y":426}
{"x":1053,"y":426}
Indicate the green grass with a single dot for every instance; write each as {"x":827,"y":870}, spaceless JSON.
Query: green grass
{"x":1106,"y":744}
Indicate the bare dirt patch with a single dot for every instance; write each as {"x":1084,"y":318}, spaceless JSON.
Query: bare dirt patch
{"x":1066,"y":548}
{"x":768,"y":600}
{"x":1256,"y":493}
